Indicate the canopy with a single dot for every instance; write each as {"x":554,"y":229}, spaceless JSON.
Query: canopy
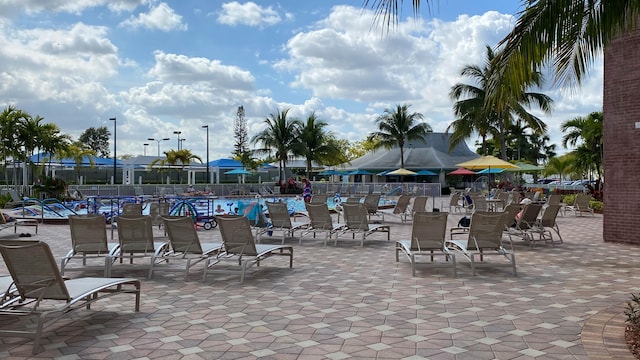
{"x":402,"y":171}
{"x":383,"y":173}
{"x":490,"y":171}
{"x":360,"y":172}
{"x":487,"y":161}
{"x":331,"y":172}
{"x":238,"y":172}
{"x":461,"y":171}
{"x":426,"y":172}
{"x":524,"y":167}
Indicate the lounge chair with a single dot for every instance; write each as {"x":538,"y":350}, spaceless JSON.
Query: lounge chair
{"x":319,"y":199}
{"x":371,"y":203}
{"x":484,"y":239}
{"x":239,"y":242}
{"x":419,"y":204}
{"x":135,"y":237}
{"x":185,"y":244}
{"x":401,"y":209}
{"x":581,"y":205}
{"x":157,"y":211}
{"x":525,"y":222}
{"x":479,"y":203}
{"x":543,"y":226}
{"x":131,"y":209}
{"x":38,"y":280}
{"x":428,"y":234}
{"x":17,"y":222}
{"x":357,"y":222}
{"x":280,"y":220}
{"x":88,"y":241}
{"x":453,"y":204}
{"x":9,"y":291}
{"x":320,"y":221}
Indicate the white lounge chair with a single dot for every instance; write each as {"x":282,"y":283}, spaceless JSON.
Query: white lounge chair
{"x":357,"y":222}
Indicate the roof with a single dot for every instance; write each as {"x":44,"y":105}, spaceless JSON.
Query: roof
{"x":433,"y":153}
{"x":86,"y":160}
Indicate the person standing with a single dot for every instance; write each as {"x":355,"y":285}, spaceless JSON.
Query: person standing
{"x":306,"y":191}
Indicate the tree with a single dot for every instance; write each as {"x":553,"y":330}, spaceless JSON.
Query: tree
{"x":586,"y":132}
{"x":396,"y":127}
{"x":360,"y":148}
{"x":472,"y":115}
{"x":97,"y":139}
{"x":314,"y":143}
{"x":560,"y":165}
{"x":10,"y":120}
{"x":77,"y":151}
{"x":241,"y":133}
{"x":280,"y":136}
{"x":175,"y":158}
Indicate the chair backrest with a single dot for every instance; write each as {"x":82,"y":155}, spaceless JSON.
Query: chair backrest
{"x":554,"y":199}
{"x":510,"y":212}
{"x":135,"y":234}
{"x":236,"y":235}
{"x":454,"y":199}
{"x":15,"y":196}
{"x":356,"y":216}
{"x":182,"y":234}
{"x":371,"y":202}
{"x":353,"y":200}
{"x":279,"y":215}
{"x":157,"y":211}
{"x":89,"y":234}
{"x":549,"y":216}
{"x":582,"y":201}
{"x":428,"y":231}
{"x":479,"y":203}
{"x":319,"y":199}
{"x":402,"y":204}
{"x":33,"y":269}
{"x":529,"y":216}
{"x":132,"y":209}
{"x":485,"y":231}
{"x":420,"y":203}
{"x":319,"y":216}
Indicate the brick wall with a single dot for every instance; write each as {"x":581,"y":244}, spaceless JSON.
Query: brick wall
{"x":622,"y":140}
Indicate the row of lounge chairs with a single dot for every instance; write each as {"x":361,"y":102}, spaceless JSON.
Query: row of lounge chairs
{"x":485,"y":236}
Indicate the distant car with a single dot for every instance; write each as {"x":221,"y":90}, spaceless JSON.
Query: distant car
{"x":546,"y":181}
{"x":583,"y":182}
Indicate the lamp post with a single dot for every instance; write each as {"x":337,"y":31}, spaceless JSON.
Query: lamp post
{"x":158,"y":141}
{"x":207,"y":127}
{"x":115,"y":154}
{"x":180,"y":144}
{"x":179,"y":141}
{"x":145,"y":149}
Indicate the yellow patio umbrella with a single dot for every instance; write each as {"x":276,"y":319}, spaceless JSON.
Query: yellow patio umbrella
{"x":401,"y":171}
{"x":487,"y":162}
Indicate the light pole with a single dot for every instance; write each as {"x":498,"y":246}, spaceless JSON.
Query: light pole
{"x":145,"y":149}
{"x":115,"y":154}
{"x":158,"y":141}
{"x":207,"y":127}
{"x":179,"y":141}
{"x":181,"y":145}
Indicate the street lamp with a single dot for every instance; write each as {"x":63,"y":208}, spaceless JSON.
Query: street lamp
{"x":115,"y":181}
{"x":181,"y":145}
{"x":207,"y":127}
{"x":145,"y":149}
{"x":158,"y":141}
{"x":179,"y":141}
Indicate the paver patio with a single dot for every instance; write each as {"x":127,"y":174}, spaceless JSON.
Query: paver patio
{"x":348,"y":302}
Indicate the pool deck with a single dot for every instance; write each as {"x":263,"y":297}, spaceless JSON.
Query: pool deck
{"x":348,"y":302}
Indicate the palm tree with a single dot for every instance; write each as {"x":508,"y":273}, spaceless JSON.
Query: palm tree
{"x":173,"y":158}
{"x":472,"y":115}
{"x":279,"y":135}
{"x":78,"y":152}
{"x":10,"y":118}
{"x":587,"y":133}
{"x":560,"y":165}
{"x":314,"y":143}
{"x":396,"y":127}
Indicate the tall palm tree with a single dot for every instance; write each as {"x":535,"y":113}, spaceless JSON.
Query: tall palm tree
{"x":10,"y":118}
{"x":314,"y":143}
{"x":560,"y":165}
{"x":472,"y":115}
{"x":78,"y":152}
{"x":586,"y":132}
{"x":396,"y":127}
{"x":280,"y":135}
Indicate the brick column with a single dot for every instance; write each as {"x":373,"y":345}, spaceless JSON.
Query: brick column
{"x":622,"y":139}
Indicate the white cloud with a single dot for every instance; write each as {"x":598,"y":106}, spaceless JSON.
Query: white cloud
{"x":9,"y":7}
{"x":161,"y":17}
{"x":249,"y":14}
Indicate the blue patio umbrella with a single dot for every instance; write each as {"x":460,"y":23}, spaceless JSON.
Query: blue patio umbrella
{"x":490,"y":171}
{"x":426,"y":172}
{"x":359,"y":172}
{"x":238,"y":172}
{"x":331,"y":172}
{"x":383,"y":173}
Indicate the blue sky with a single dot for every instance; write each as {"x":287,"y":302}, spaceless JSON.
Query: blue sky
{"x":161,"y":67}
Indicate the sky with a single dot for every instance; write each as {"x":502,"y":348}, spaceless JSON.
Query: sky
{"x":160,"y":67}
